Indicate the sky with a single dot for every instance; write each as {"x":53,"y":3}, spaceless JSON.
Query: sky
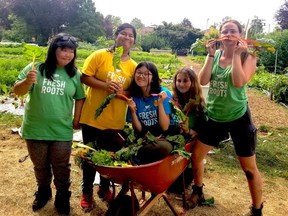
{"x":201,"y":13}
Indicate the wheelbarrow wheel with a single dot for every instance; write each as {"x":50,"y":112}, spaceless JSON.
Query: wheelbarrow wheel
{"x":122,"y":206}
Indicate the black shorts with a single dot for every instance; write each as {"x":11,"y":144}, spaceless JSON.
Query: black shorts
{"x":242,"y":132}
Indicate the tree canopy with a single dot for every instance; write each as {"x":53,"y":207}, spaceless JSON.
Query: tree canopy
{"x":282,"y":16}
{"x":45,"y":18}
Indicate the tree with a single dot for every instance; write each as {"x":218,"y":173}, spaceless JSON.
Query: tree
{"x":152,"y":41}
{"x":186,"y":23}
{"x":116,"y":21}
{"x":256,"y":28}
{"x":281,"y":16}
{"x":46,"y":18}
{"x":5,"y":23}
{"x":87,"y":24}
{"x":178,"y":36}
{"x":199,"y":46}
{"x":137,"y":23}
{"x":108,"y":26}
{"x":19,"y":30}
{"x":267,"y":59}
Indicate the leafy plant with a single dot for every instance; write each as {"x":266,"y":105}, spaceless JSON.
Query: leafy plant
{"x":106,"y":101}
{"x":117,"y":57}
{"x":33,"y":52}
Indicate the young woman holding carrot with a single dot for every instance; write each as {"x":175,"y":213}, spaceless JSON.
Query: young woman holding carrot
{"x":228,"y":70}
{"x":149,"y":111}
{"x":105,"y":71}
{"x":48,"y":122}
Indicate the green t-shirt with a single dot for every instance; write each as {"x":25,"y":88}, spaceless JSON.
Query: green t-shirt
{"x":196,"y":120}
{"x":225,"y":102}
{"x":49,"y":106}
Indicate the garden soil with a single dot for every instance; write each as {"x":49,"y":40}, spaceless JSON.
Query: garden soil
{"x":17,"y":182}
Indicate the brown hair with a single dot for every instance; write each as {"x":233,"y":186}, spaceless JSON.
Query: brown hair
{"x":195,"y":91}
{"x":244,"y":55}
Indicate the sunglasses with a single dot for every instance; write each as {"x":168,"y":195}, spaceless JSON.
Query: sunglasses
{"x":69,"y":38}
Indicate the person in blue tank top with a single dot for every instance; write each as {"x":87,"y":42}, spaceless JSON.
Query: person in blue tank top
{"x":227,"y":71}
{"x":149,"y":111}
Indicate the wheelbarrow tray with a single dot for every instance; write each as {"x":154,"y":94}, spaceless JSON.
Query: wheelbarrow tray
{"x":154,"y":177}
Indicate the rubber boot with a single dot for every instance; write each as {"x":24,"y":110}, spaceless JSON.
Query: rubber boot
{"x":255,"y":212}
{"x":197,"y":196}
{"x":62,"y":202}
{"x":42,"y":196}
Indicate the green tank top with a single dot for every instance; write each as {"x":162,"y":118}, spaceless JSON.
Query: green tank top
{"x":225,"y":102}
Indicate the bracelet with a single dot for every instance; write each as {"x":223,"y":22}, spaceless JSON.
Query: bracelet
{"x":212,"y":56}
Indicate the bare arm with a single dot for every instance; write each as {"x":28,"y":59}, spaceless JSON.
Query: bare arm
{"x":242,"y":73}
{"x":136,"y":124}
{"x":206,"y":71}
{"x":23,"y":86}
{"x":77,"y":113}
{"x":164,"y":119}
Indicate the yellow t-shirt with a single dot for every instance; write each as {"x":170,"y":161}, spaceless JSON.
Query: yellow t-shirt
{"x":100,"y":65}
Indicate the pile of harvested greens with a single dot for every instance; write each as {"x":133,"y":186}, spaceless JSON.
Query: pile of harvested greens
{"x":125,"y":156}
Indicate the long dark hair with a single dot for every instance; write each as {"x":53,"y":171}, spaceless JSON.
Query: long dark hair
{"x":135,"y":90}
{"x":61,"y":40}
{"x":121,"y":28}
{"x":195,"y":91}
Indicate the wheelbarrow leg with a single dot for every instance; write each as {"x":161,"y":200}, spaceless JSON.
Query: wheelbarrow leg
{"x":149,"y":203}
{"x":152,"y":200}
{"x":169,"y":204}
{"x":184,"y":201}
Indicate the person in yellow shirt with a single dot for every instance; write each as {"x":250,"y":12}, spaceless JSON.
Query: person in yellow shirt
{"x":103,"y":77}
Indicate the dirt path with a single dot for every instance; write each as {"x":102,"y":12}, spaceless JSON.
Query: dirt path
{"x":188,"y":63}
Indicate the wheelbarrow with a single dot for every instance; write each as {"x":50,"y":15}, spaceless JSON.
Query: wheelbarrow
{"x":154,"y":177}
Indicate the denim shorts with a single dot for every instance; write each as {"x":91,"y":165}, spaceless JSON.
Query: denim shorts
{"x":242,"y":131}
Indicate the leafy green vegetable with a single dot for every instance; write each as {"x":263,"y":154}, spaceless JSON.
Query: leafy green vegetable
{"x":178,"y":139}
{"x":127,"y":155}
{"x":208,"y":202}
{"x":191,"y":103}
{"x":32,"y":52}
{"x":183,"y":153}
{"x":117,"y":57}
{"x":178,"y":112}
{"x":102,"y":157}
{"x":80,"y":145}
{"x":106,"y":101}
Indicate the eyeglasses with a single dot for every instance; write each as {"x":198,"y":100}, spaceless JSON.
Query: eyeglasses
{"x":145,"y":75}
{"x":232,"y":31}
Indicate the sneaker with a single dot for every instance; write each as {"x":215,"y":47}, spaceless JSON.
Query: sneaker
{"x":42,"y":196}
{"x":197,"y":197}
{"x":105,"y":195}
{"x":87,"y":202}
{"x":255,"y":212}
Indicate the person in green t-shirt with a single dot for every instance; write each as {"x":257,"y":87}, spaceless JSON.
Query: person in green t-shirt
{"x":54,"y":89}
{"x":187,"y":92}
{"x":227,"y":70}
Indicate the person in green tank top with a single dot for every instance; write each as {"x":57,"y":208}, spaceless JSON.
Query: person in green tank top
{"x":54,"y":88}
{"x":227,"y":70}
